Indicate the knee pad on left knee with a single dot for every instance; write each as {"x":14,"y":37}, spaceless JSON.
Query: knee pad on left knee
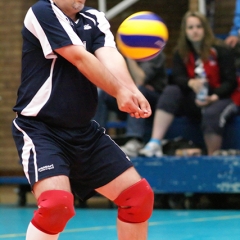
{"x":55,"y":208}
{"x":135,"y":204}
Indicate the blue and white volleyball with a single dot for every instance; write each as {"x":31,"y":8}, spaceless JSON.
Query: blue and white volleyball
{"x":142,"y":36}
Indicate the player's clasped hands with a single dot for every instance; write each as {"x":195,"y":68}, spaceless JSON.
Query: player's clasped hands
{"x":133,"y":103}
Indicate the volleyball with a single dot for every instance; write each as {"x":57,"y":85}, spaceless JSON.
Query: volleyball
{"x":142,"y":36}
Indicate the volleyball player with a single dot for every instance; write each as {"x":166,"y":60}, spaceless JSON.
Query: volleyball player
{"x":69,"y":51}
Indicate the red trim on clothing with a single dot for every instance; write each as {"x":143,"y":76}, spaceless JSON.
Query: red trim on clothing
{"x":211,"y":67}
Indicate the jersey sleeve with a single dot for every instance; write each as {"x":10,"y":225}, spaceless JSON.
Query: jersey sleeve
{"x":51,"y":27}
{"x":103,"y":36}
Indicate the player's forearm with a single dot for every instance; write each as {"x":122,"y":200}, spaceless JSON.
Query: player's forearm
{"x":98,"y":74}
{"x":122,"y":74}
{"x":137,"y":73}
{"x":116,"y":64}
{"x":91,"y":68}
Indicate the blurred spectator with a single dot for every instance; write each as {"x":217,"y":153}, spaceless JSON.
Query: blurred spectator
{"x":200,"y":60}
{"x":233,"y":41}
{"x":233,"y":37}
{"x":151,"y":78}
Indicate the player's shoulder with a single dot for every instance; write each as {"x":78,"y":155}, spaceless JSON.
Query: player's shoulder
{"x":41,"y":4}
{"x":92,"y":12}
{"x":42,"y":10}
{"x":89,"y":10}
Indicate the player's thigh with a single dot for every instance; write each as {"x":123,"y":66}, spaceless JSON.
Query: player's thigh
{"x":120,"y":183}
{"x":60,"y":182}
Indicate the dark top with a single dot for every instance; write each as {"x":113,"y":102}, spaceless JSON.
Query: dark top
{"x":53,"y":90}
{"x":219,"y":68}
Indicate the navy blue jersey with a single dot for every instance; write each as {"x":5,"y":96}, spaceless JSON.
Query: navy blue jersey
{"x":52,"y":89}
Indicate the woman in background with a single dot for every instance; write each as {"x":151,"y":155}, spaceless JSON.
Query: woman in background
{"x":204,"y":80}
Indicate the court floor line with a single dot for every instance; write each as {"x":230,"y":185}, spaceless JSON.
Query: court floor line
{"x":206,"y":219}
{"x":100,"y":228}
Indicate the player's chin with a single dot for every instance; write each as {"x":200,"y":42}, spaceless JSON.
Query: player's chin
{"x":78,"y":6}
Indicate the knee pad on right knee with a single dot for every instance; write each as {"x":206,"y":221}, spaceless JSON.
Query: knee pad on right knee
{"x":55,"y":208}
{"x":135,"y":204}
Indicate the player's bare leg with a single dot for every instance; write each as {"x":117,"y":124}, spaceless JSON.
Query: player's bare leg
{"x":139,"y":204}
{"x":135,"y":231}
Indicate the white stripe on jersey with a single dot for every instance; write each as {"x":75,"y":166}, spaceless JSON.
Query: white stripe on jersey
{"x":89,"y":18}
{"x":26,"y":150}
{"x":41,"y":97}
{"x":32,"y":24}
{"x":66,"y":24}
{"x":104,"y":27}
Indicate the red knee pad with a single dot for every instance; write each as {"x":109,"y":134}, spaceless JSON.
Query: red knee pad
{"x":135,"y":204}
{"x":55,"y":208}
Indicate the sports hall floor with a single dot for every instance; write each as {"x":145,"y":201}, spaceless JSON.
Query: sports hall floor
{"x":97,"y":222}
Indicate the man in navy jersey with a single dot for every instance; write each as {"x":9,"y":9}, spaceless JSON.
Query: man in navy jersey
{"x":69,"y":51}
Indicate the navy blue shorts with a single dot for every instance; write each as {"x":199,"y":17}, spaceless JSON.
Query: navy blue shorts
{"x":88,"y":156}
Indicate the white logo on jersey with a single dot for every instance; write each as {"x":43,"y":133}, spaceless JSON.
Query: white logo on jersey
{"x":87,"y":27}
{"x":48,"y":167}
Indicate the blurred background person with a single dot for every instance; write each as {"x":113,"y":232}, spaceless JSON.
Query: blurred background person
{"x":204,"y":80}
{"x":233,"y":37}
